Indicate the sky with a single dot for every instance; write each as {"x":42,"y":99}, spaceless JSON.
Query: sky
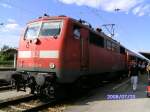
{"x":131,"y":20}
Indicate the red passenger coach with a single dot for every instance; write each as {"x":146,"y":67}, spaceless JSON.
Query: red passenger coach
{"x":61,"y":50}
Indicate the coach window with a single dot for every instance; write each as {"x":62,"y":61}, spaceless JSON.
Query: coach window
{"x":76,"y":32}
{"x":96,"y":40}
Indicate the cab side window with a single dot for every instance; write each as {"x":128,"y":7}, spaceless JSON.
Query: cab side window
{"x":96,"y":40}
{"x":122,"y":50}
{"x":76,"y":32}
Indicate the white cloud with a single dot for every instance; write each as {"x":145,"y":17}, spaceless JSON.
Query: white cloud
{"x":10,"y":33}
{"x":136,"y":10}
{"x":10,"y":40}
{"x":124,"y":5}
{"x":5,"y":5}
{"x":11,"y":20}
{"x":135,"y":6}
{"x":10,"y":26}
{"x":142,"y":10}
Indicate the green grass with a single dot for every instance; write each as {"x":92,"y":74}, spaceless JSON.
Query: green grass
{"x":4,"y":64}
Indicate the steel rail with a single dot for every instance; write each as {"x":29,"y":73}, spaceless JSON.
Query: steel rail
{"x":12,"y":101}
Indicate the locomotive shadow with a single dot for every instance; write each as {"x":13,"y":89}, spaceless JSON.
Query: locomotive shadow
{"x":124,"y":92}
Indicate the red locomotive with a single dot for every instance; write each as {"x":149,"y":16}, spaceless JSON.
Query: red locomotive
{"x":60,"y":50}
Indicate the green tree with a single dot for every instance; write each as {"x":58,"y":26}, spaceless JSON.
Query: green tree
{"x":7,"y":53}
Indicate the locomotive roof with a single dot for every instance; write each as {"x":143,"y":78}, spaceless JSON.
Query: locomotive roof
{"x":102,"y":34}
{"x":49,"y":18}
{"x":146,"y":54}
{"x":46,"y":17}
{"x":137,"y":55}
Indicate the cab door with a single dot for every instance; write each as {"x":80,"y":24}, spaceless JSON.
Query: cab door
{"x":84,"y":49}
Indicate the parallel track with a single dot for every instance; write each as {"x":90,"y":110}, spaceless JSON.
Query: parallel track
{"x":41,"y":106}
{"x":8,"y":87}
{"x":25,"y":104}
{"x":13,"y":101}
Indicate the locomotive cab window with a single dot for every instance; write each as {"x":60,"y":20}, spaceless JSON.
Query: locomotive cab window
{"x":109,"y":45}
{"x":76,"y":32}
{"x":50,"y":28}
{"x":32,"y":31}
{"x":122,"y":50}
{"x":96,"y":40}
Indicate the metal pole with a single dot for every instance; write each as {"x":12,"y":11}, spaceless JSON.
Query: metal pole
{"x":15,"y":60}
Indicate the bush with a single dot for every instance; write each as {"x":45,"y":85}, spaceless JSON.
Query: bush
{"x":6,"y":62}
{"x":7,"y":53}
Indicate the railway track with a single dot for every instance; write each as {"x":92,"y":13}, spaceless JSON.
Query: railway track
{"x":26,"y":103}
{"x":30,"y":103}
{"x":40,"y":106}
{"x":8,"y":87}
{"x":8,"y":104}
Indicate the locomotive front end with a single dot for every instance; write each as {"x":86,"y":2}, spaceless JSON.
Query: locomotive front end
{"x":38,"y":61}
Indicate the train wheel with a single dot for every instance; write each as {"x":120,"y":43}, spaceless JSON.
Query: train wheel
{"x":32,"y":85}
{"x":148,"y":94}
{"x":55,"y":91}
{"x":49,"y":91}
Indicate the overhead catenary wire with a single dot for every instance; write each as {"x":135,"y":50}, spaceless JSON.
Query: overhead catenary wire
{"x":110,"y":28}
{"x":93,"y":10}
{"x":106,"y":21}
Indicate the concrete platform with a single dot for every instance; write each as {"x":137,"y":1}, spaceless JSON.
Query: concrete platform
{"x":98,"y":101}
{"x":11,"y":94}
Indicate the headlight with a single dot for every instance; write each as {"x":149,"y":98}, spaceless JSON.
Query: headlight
{"x":52,"y":65}
{"x":35,"y":41}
